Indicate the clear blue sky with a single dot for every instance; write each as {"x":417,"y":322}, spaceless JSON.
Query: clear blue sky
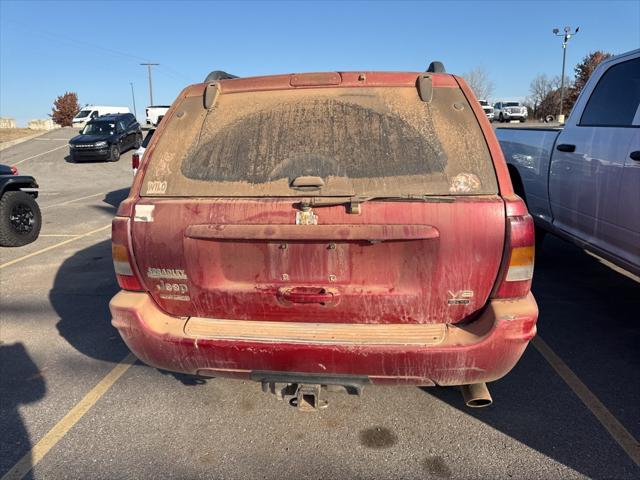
{"x":94,"y":48}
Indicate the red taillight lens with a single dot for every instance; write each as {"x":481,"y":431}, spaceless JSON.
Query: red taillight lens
{"x":123,"y":261}
{"x":517,"y":264}
{"x":14,"y":170}
{"x":135,"y":161}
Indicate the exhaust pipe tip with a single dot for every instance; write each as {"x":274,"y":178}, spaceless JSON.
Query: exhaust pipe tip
{"x":476,"y":395}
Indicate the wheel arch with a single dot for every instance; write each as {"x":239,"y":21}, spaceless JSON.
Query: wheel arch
{"x":17,"y":184}
{"x":516,"y":181}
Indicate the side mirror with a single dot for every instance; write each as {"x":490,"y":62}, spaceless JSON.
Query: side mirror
{"x":81,"y":130}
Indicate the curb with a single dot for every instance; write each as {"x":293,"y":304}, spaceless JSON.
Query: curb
{"x":11,"y":143}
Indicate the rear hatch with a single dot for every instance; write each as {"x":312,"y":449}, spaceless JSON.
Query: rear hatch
{"x":343,"y":203}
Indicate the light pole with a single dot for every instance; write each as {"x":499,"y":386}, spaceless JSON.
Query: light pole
{"x":566,"y":35}
{"x":135,"y":112}
{"x":149,"y":65}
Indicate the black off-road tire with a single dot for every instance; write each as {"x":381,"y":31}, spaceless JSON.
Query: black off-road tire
{"x":114,"y":153}
{"x":20,"y":219}
{"x":138,"y":142}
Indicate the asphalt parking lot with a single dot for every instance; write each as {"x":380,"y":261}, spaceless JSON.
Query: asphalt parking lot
{"x":75,"y":405}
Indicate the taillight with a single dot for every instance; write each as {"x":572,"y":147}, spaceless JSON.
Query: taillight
{"x":14,"y":170}
{"x":135,"y":161}
{"x":123,"y":261}
{"x":516,"y":271}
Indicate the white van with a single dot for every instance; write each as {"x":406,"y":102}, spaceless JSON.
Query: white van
{"x":89,"y":112}
{"x":155,"y":113}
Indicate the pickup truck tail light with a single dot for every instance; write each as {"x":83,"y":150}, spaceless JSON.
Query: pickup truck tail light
{"x":135,"y":161}
{"x":123,"y":260}
{"x":516,"y":272}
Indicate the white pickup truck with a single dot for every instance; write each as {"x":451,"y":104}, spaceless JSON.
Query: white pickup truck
{"x":582,"y":182}
{"x":154,"y":114}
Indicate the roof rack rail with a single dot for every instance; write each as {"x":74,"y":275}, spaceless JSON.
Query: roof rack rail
{"x":219,"y":75}
{"x":436,"y":67}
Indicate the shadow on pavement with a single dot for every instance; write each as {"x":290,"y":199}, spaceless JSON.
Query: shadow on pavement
{"x":589,"y":316}
{"x":112,"y":201}
{"x":20,"y":383}
{"x":115,"y":197}
{"x":82,"y":288}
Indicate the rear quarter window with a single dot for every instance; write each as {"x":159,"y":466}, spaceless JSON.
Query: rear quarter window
{"x":381,"y":141}
{"x":616,"y":97}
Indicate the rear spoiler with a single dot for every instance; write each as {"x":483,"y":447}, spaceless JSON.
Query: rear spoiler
{"x":211,"y":90}
{"x":218,"y":75}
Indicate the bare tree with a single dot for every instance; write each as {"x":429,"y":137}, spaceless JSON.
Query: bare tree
{"x":539,"y":88}
{"x":543,"y":92}
{"x":478,"y":80}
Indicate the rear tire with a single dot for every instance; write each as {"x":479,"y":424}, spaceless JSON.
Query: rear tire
{"x":501,"y":119}
{"x":138,"y":142}
{"x":20,"y":219}
{"x":114,"y":153}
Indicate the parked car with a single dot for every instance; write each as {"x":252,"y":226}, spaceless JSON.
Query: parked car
{"x":154,"y":114}
{"x":89,"y":112}
{"x":488,"y":109}
{"x":507,"y":111}
{"x":20,"y":217}
{"x":326,"y":229}
{"x":105,"y":138}
{"x":137,"y":155}
{"x":582,"y":182}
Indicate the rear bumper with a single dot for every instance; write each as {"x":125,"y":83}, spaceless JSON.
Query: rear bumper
{"x":481,"y":351}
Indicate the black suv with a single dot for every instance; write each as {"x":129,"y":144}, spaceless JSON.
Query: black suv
{"x":105,"y":137}
{"x":20,"y":217}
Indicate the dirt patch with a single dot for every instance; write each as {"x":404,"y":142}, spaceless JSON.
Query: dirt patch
{"x":378,"y":437}
{"x":8,"y":134}
{"x":436,"y":466}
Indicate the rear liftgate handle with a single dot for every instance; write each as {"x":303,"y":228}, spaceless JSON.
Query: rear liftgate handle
{"x":308,"y":295}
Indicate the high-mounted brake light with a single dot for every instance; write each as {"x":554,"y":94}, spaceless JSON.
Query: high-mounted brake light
{"x":516,"y":272}
{"x":123,"y":261}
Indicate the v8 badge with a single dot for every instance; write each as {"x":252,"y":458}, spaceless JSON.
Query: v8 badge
{"x":461,"y":297}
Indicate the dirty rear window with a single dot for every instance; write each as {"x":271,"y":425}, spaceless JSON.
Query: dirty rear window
{"x":380,"y":141}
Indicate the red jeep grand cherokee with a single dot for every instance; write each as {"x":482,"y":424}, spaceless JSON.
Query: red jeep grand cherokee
{"x":326,"y":229}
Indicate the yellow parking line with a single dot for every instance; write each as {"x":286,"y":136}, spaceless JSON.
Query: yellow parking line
{"x":53,"y":436}
{"x":620,"y":434}
{"x":51,"y":247}
{"x":38,"y":155}
{"x":57,"y":235}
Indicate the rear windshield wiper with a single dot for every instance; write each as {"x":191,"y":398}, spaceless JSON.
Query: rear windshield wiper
{"x":353,"y":202}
